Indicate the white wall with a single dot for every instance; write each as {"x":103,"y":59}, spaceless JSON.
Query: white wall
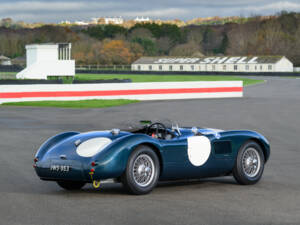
{"x":284,"y":65}
{"x":41,"y":53}
{"x":5,"y":62}
{"x":43,"y":61}
{"x":139,"y":91}
{"x":296,"y":69}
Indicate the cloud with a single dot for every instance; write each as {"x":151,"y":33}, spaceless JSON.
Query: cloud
{"x":52,"y":6}
{"x":55,"y":11}
{"x":158,"y":12}
{"x":277,"y":6}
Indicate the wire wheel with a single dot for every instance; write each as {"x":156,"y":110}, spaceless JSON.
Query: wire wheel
{"x":251,"y":162}
{"x":143,"y":170}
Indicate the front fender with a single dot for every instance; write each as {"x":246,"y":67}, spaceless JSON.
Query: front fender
{"x":240,"y":137}
{"x":53,"y":141}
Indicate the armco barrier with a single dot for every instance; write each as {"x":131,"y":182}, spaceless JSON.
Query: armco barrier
{"x":139,"y":91}
{"x":193,"y":73}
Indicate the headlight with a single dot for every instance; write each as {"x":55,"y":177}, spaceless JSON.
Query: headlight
{"x":93,"y":146}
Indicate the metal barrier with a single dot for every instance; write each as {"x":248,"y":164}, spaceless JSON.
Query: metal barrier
{"x":104,"y":67}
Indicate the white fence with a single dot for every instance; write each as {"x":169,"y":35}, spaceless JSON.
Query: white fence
{"x":138,"y":91}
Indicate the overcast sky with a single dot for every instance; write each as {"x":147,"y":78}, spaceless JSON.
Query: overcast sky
{"x":55,"y":11}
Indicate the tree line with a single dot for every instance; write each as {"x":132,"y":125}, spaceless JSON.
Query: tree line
{"x":113,"y":44}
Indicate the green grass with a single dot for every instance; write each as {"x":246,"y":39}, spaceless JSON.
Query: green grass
{"x":165,"y":78}
{"x":150,"y":78}
{"x":74,"y":104}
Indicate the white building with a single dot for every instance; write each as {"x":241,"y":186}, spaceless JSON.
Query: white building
{"x":4,"y":61}
{"x":65,"y":22}
{"x":45,"y":60}
{"x":215,"y":64}
{"x":142,"y":19}
{"x":114,"y":20}
{"x":94,"y":20}
{"x":81,"y":23}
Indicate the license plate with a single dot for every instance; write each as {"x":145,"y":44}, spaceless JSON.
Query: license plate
{"x":60,"y":168}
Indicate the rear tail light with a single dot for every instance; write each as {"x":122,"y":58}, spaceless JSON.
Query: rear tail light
{"x":35,"y":161}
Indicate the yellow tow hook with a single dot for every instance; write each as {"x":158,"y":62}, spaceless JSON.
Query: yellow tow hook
{"x":96,"y":184}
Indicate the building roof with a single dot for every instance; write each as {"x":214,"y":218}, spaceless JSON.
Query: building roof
{"x":2,"y":57}
{"x":210,"y":60}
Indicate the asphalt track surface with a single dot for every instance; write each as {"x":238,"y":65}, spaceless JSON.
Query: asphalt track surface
{"x":272,"y":108}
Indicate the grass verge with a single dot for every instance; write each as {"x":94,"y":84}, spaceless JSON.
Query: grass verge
{"x":150,"y":78}
{"x":94,"y":103}
{"x":165,"y":78}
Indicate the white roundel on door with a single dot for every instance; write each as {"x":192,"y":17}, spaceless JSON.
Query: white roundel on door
{"x":199,"y":149}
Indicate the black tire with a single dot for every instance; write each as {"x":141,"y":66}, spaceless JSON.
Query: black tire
{"x":129,"y":179}
{"x":240,"y":173}
{"x":71,"y":185}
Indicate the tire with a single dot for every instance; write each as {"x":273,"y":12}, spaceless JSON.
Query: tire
{"x":249,"y":165}
{"x":71,"y":185}
{"x":142,"y":171}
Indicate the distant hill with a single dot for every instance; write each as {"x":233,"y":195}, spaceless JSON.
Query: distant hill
{"x":122,"y":44}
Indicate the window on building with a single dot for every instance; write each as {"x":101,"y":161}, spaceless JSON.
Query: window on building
{"x":139,"y":67}
{"x":160,"y":67}
{"x":192,"y":67}
{"x":200,"y":68}
{"x":181,"y":67}
{"x":224,"y":67}
{"x":269,"y":67}
{"x":170,"y":67}
{"x":255,"y":67}
{"x":213,"y":67}
{"x":261,"y":68}
{"x":150,"y":67}
{"x":235,"y":67}
{"x":247,"y":67}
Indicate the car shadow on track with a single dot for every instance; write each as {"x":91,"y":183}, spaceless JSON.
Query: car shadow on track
{"x":118,"y":189}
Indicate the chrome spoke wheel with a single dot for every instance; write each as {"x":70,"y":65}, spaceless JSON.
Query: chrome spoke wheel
{"x":251,"y":162}
{"x":143,"y":170}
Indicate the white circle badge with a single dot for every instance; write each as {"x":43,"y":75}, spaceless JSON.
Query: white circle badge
{"x":199,"y":149}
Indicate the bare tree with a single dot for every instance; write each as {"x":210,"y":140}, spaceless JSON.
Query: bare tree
{"x":188,"y":49}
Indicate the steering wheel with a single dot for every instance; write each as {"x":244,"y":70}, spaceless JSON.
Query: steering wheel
{"x":157,"y":127}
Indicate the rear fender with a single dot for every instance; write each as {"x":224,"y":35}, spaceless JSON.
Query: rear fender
{"x":53,"y":141}
{"x":112,"y":162}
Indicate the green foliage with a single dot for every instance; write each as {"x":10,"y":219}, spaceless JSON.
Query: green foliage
{"x":105,"y":31}
{"x":257,"y":35}
{"x":165,"y":30}
{"x":223,"y":46}
{"x":148,"y":45}
{"x":164,"y":78}
{"x":74,"y":104}
{"x":65,"y":79}
{"x":288,"y":21}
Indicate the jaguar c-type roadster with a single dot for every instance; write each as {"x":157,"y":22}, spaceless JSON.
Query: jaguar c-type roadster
{"x":151,"y":152}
